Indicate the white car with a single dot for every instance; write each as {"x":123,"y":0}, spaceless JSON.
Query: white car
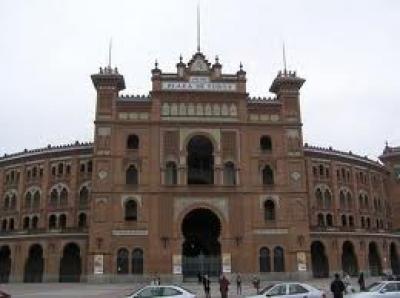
{"x":381,"y":289}
{"x":290,"y":290}
{"x":164,"y":291}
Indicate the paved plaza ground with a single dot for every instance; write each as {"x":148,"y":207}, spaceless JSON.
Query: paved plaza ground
{"x":77,"y":290}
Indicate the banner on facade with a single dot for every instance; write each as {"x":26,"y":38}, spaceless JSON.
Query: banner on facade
{"x":177,"y":264}
{"x":301,"y":261}
{"x":98,"y":263}
{"x":226,"y":263}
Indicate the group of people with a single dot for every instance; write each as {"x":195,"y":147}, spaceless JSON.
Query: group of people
{"x":224,"y":285}
{"x":339,"y":287}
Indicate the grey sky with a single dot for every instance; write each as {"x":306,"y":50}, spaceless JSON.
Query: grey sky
{"x":349,"y":52}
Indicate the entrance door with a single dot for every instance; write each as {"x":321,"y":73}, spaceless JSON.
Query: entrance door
{"x":201,"y":249}
{"x":34,"y":264}
{"x":70,"y":264}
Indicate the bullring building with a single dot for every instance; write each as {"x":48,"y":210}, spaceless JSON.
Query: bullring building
{"x":197,"y":176}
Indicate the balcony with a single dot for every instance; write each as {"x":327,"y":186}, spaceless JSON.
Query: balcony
{"x":69,"y":230}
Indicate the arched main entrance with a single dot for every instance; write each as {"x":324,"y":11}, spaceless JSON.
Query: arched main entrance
{"x":70,"y":264}
{"x":320,"y":263}
{"x":200,"y":161}
{"x":34,"y":264}
{"x":394,"y":259}
{"x":5,"y":264}
{"x":349,"y":259}
{"x":201,"y":250}
{"x":374,"y":260}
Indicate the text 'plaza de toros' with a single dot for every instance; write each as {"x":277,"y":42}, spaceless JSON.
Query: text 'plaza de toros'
{"x":196,"y":177}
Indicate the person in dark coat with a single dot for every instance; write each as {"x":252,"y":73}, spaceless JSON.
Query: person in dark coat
{"x":206,"y":285}
{"x":337,"y":287}
{"x":223,"y":286}
{"x":238,"y":284}
{"x":361,"y":282}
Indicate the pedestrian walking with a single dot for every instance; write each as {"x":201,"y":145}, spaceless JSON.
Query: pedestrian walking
{"x":206,"y":285}
{"x":238,"y":284}
{"x":361,"y":282}
{"x":337,"y":287}
{"x":256,"y":283}
{"x":224,"y":286}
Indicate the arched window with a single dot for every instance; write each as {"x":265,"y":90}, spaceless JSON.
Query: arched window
{"x":131,"y":175}
{"x":82,"y":220}
{"x":26,"y":223}
{"x":362,"y":222}
{"x":318,"y":197}
{"x":64,"y":197}
{"x":344,"y":220}
{"x":54,"y":198}
{"x":6,"y":203}
{"x":137,"y":261}
{"x":329,"y":220}
{"x":36,"y":200}
{"x":123,"y":261}
{"x":366,"y":201}
{"x":349,"y":201}
{"x":171,"y":174}
{"x":82,"y":168}
{"x":351,"y":221}
{"x":63,"y":221}
{"x":321,"y":170}
{"x":368,"y":223}
{"x":265,"y":260}
{"x":279,"y":259}
{"x":11,"y":224}
{"x":52,"y":221}
{"x":83,"y":197}
{"x":13,"y":202}
{"x":342,"y":200}
{"x":35,"y":221}
{"x":229,"y":173}
{"x":360,"y":201}
{"x":132,"y":142}
{"x":265,"y":143}
{"x":328,"y":199}
{"x":269,"y":210}
{"x":131,"y":210}
{"x":4,"y":225}
{"x":321,"y":220}
{"x":268,"y":176}
{"x":60,"y":168}
{"x":90,"y":166}
{"x":28,"y":200}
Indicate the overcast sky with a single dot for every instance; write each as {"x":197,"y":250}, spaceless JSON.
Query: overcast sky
{"x":348,"y":51}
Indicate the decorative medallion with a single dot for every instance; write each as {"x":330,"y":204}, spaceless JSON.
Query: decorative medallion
{"x":295,"y":176}
{"x":102,"y":174}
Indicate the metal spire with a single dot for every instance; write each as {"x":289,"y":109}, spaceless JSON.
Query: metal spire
{"x":284,"y":58}
{"x":198,"y":26}
{"x":109,"y":53}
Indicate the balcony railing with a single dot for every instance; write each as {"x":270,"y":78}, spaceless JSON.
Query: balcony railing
{"x":45,"y":231}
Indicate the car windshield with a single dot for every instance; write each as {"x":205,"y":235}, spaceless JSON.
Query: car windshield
{"x":374,"y":287}
{"x":266,"y":289}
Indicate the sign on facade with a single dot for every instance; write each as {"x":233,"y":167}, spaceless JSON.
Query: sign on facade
{"x":198,"y":84}
{"x":177,"y":264}
{"x":226,"y":263}
{"x":301,"y":261}
{"x":98,"y":263}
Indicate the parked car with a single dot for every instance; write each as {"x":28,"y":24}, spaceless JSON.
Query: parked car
{"x":4,"y":295}
{"x":290,"y":290}
{"x":164,"y":291}
{"x":380,"y":289}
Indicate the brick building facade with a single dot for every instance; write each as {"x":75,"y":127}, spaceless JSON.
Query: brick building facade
{"x":196,"y":177}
